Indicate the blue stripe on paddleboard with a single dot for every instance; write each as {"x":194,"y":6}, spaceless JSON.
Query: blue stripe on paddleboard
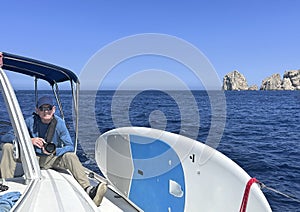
{"x":155,"y":164}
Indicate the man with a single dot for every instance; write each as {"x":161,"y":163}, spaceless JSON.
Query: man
{"x":45,"y":127}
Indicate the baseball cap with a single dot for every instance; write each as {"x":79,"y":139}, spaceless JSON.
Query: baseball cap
{"x":45,"y":100}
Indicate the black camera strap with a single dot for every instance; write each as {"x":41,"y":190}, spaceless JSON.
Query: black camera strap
{"x":51,"y":130}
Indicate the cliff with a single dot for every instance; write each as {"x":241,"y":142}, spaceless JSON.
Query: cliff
{"x":234,"y":81}
{"x":290,"y":81}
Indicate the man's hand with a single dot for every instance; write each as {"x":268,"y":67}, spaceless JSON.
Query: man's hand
{"x":39,"y":142}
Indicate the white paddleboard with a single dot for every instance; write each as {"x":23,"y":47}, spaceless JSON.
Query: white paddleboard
{"x":162,"y":171}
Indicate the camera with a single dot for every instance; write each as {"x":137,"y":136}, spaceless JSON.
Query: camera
{"x":50,"y":147}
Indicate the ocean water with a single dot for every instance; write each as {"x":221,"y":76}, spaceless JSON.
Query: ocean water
{"x":261,"y":134}
{"x":262,"y":131}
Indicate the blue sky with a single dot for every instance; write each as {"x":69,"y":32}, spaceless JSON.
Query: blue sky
{"x":257,"y":38}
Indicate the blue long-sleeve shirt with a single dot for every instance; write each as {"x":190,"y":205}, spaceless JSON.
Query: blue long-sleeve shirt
{"x":61,"y":137}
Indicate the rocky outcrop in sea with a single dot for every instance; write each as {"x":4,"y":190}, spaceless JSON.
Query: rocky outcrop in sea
{"x":234,"y":81}
{"x":271,"y":83}
{"x":290,"y":81}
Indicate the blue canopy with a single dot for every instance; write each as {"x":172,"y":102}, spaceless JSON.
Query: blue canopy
{"x":48,"y":72}
{"x":35,"y":68}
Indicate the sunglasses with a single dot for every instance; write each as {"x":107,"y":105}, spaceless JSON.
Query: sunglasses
{"x":45,"y":108}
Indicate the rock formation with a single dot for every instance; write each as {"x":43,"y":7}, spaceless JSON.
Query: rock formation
{"x":253,"y":88}
{"x":271,"y":83}
{"x":234,"y":81}
{"x":294,"y":77}
{"x":287,"y":84}
{"x":290,"y":81}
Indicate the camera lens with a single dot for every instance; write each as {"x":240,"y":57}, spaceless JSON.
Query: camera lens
{"x":50,"y":147}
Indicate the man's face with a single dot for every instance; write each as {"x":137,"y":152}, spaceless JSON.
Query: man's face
{"x":46,"y":113}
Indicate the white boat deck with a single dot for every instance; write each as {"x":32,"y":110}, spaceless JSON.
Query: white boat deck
{"x":64,"y":187}
{"x":14,"y":184}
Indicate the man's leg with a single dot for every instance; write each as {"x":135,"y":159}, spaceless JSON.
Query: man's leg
{"x":8,"y":163}
{"x":71,"y":161}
